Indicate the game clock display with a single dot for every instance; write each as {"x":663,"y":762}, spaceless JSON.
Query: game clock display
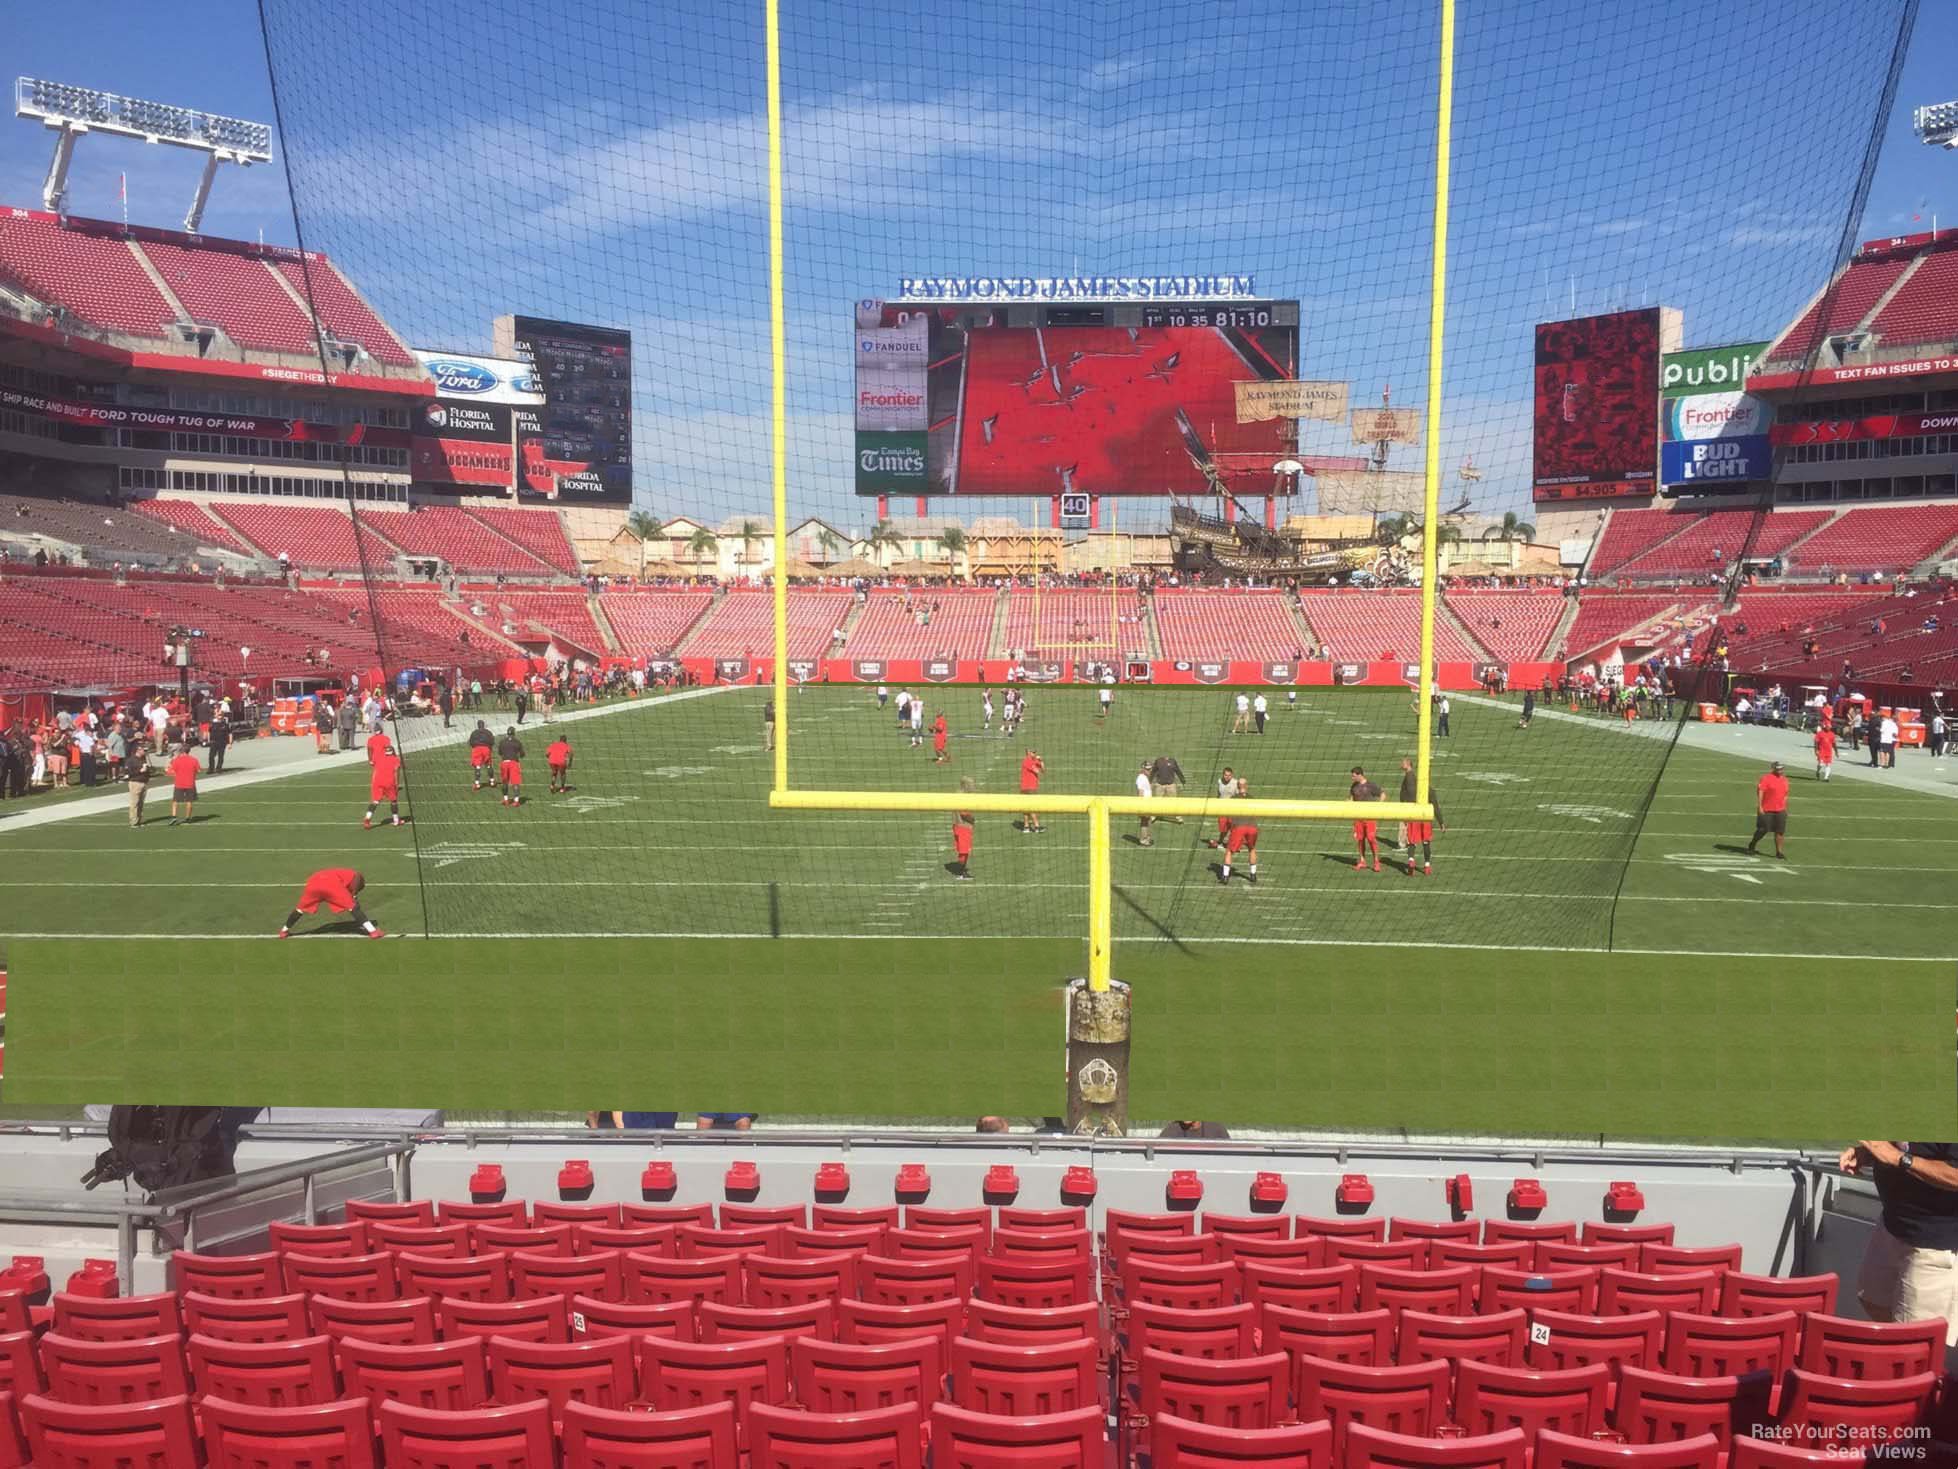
{"x":1239,"y":315}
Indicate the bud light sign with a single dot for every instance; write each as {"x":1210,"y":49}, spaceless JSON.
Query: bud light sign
{"x":1713,"y":462}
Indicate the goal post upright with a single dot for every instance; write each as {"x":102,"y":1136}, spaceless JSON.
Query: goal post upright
{"x":1431,"y":486}
{"x":779,"y":394}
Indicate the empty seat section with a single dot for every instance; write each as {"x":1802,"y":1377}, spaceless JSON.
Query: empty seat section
{"x":88,"y":271}
{"x":341,"y":310}
{"x":1365,"y":626}
{"x":463,"y":542}
{"x":196,"y":523}
{"x":1888,"y":538}
{"x":539,"y":532}
{"x":313,"y":537}
{"x":1630,"y":534}
{"x":1514,"y":626}
{"x":1216,"y":625}
{"x":933,"y":623}
{"x":742,"y":624}
{"x":651,"y":623}
{"x":229,"y":289}
{"x":1072,"y":621}
{"x":1923,"y":311}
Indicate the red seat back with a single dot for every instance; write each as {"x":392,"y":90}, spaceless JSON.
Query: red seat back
{"x":603,"y":1438}
{"x":720,"y":1322}
{"x":1729,"y":1346}
{"x":116,"y":1318}
{"x":1556,"y":1255}
{"x":1573,"y":1289}
{"x":131,"y":1371}
{"x":1490,"y":1397}
{"x":879,"y":1438}
{"x":1496,"y":1336}
{"x":541,"y":1318}
{"x":1163,"y":1249}
{"x":403,"y":1322}
{"x":447,"y":1240}
{"x":1247,"y":1226}
{"x":666,"y":1214}
{"x":681,"y":1374}
{"x":606,"y":1216}
{"x":931,"y":1244}
{"x":448,"y":1374}
{"x":1194,"y":1287}
{"x":1574,"y":1339}
{"x":1467,"y":1231}
{"x":1515,"y":1254}
{"x":349,"y":1238}
{"x":1763,"y":1295}
{"x":745,"y":1216}
{"x":20,"y":1364}
{"x":597,"y":1274}
{"x":598,"y":1370}
{"x":473,"y":1438}
{"x":856,"y":1377}
{"x":506,"y":1211}
{"x":226,"y":1275}
{"x":1008,"y":1216}
{"x":1597,"y":1233}
{"x":244,"y":1318}
{"x":835,"y":1239}
{"x":1658,"y":1259}
{"x":1219,"y":1331}
{"x":1449,"y":1292}
{"x":540,"y":1239}
{"x":1506,"y":1231}
{"x":1134,"y":1223}
{"x":769,"y":1280}
{"x":827,"y":1216}
{"x":592,"y":1317}
{"x":1412,"y":1399}
{"x":1025,"y":1381}
{"x":1030,"y":1326}
{"x":1400,"y":1254}
{"x":382,"y":1211}
{"x":1362,"y":1337}
{"x":464,"y":1277}
{"x":695,"y":1279}
{"x":1653,"y":1407}
{"x":106,"y":1435}
{"x":697,"y":1240}
{"x":248,"y":1436}
{"x":1858,"y":1413}
{"x":896,"y":1282}
{"x":1376,"y":1448}
{"x":1041,"y":1246}
{"x":1306,"y":1224}
{"x":880,"y":1321}
{"x":1178,"y":1443}
{"x":1233,"y":1392}
{"x":964,"y":1439}
{"x":1327,"y":1288}
{"x":654,"y":1239}
{"x":274,"y":1374}
{"x":1623,"y":1291}
{"x":1308,"y":1253}
{"x":1564,"y":1451}
{"x":1835,"y":1346}
{"x":923,"y":1216}
{"x":347,"y":1277}
{"x":1060,"y":1280}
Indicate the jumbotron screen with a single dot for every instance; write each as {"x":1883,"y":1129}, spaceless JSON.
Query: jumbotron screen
{"x":1121,"y":398}
{"x":576,"y":448}
{"x":1597,"y":394}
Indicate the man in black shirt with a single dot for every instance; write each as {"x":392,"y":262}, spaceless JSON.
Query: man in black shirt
{"x":1910,"y":1268}
{"x":1166,"y":779}
{"x":481,"y":745}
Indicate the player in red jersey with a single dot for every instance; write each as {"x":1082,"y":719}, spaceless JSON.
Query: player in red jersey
{"x":1243,"y":838}
{"x":376,"y":743}
{"x":557,"y":755}
{"x":940,"y":734}
{"x":481,"y":743}
{"x":1227,"y":787}
{"x":1366,"y":834}
{"x":1771,"y":809}
{"x":509,"y":778}
{"x":183,"y":784}
{"x":1423,"y":834}
{"x":384,"y":785}
{"x":338,"y":888}
{"x":1825,"y":751}
{"x":1030,"y":771}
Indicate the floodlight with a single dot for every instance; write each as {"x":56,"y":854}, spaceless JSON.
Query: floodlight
{"x":1937,"y":124}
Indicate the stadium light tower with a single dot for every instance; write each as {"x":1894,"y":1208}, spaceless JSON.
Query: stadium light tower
{"x":1937,"y":124}
{"x":73,"y":111}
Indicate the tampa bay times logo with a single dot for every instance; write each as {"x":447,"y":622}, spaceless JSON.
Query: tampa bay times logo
{"x":904,"y":459}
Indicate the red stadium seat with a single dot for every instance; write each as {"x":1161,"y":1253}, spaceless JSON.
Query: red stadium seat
{"x":1467,"y":1231}
{"x":895,"y":1282}
{"x":597,"y":1274}
{"x":1410,"y":1399}
{"x":1134,"y":1224}
{"x":1575,"y":1340}
{"x":1375,"y":1448}
{"x":1767,"y":1453}
{"x":1402,"y":1254}
{"x":1731,"y":1346}
{"x":346,"y":1277}
{"x":20,"y":1364}
{"x":835,"y":1239}
{"x":383,"y":1211}
{"x":600,"y":1371}
{"x":1497,"y":1337}
{"x":446,"y":1240}
{"x":490,"y":1237}
{"x":1557,"y":1255}
{"x":1365,"y":1338}
{"x":1246,"y":1250}
{"x":931,"y":1244}
{"x":878,"y":1438}
{"x":920,"y":1216}
{"x":349,"y":1238}
{"x":691,"y":1438}
{"x":1008,"y":1216}
{"x":768,"y":1280}
{"x":1254,"y":1226}
{"x":666,"y":1214}
{"x":1566,"y":1451}
{"x":1163,"y":1249}
{"x":880,"y":1321}
{"x":1658,"y":1259}
{"x":1489,"y":1397}
{"x":464,"y":1277}
{"x":1025,"y":1381}
{"x":1596,"y":1233}
{"x":720,"y":1322}
{"x":677,"y":1374}
{"x":153,"y":1433}
{"x":470,"y":1438}
{"x":1860,"y":1412}
{"x":1653,"y":1407}
{"x":696,"y":1279}
{"x":277,"y":1374}
{"x":857,"y":1377}
{"x":1193,"y":1287}
{"x":963,"y":1439}
{"x":447,"y":1375}
{"x":226,"y":1275}
{"x":1574,"y":1289}
{"x":1835,"y":1346}
{"x":1221,"y":1331}
{"x":405,"y":1322}
{"x":1448,"y":1292}
{"x":590,"y":1317}
{"x":513,"y":1212}
{"x":1233,"y":1392}
{"x":1039,"y":1246}
{"x":1065,"y":1280}
{"x":654,"y":1239}
{"x":1178,"y":1443}
{"x":1516,"y":1254}
{"x":250,"y":1436}
{"x":826,"y":1216}
{"x":1031,"y":1326}
{"x":128,"y":1371}
{"x":607,"y":1216}
{"x":1764,"y":1295}
{"x":1506,"y":1231}
{"x":244,"y":1318}
{"x":704,"y":1241}
{"x":542,"y":1318}
{"x":117,"y":1318}
{"x":1623,"y":1291}
{"x":1328,"y":1288}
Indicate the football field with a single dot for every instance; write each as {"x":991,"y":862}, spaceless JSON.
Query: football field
{"x":658,"y":927}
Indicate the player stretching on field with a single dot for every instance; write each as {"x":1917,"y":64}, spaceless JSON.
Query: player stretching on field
{"x":1243,"y":837}
{"x":940,"y":733}
{"x":1227,"y":785}
{"x":338,"y":888}
{"x":986,"y":711}
{"x":1419,"y":833}
{"x":1030,"y":772}
{"x":1366,"y":834}
{"x":509,"y":751}
{"x":962,"y":838}
{"x":384,"y":784}
{"x":558,"y":757}
{"x":481,"y":743}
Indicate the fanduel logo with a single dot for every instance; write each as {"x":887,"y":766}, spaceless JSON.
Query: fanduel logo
{"x":891,"y":461}
{"x":462,"y":377}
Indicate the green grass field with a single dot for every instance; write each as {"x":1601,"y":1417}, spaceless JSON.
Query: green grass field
{"x":661,"y":923}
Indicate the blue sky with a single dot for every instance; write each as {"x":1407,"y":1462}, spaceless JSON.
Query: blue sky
{"x":601,"y":160}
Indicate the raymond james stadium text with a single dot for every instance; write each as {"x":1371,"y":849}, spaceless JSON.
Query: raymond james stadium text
{"x":1074,"y":288}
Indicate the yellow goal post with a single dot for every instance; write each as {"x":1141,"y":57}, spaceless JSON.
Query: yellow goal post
{"x":1100,"y":809}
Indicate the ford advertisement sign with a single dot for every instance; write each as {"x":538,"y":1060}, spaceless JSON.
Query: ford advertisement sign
{"x":1709,"y":463}
{"x":453,"y":376}
{"x":482,"y":379}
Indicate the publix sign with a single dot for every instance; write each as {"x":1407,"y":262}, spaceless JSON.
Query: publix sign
{"x":1708,"y":369}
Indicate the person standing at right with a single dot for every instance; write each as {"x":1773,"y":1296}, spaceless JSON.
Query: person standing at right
{"x":1771,"y":808}
{"x":1886,"y":740}
{"x":137,"y":770}
{"x":1910,"y":1266}
{"x":1825,"y":752}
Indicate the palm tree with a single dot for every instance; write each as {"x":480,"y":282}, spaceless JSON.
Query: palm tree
{"x":952,"y":541}
{"x":1447,"y":535}
{"x":700,"y":543}
{"x":749,"y":533}
{"x":643,"y":525}
{"x":883,"y":534}
{"x":1513,"y":528}
{"x":826,"y":538}
{"x":1392,"y":529}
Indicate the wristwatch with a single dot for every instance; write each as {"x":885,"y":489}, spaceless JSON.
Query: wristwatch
{"x":1905,"y":1159}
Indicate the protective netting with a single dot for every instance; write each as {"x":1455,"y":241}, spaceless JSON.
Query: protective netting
{"x":1652,"y":181}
